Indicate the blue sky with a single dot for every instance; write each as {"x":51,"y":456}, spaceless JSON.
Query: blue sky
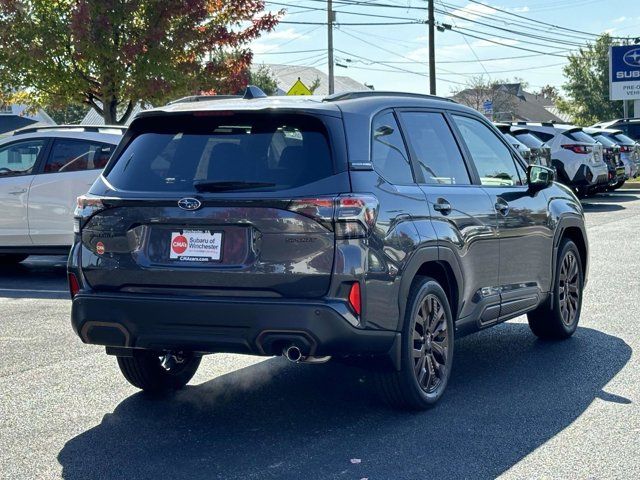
{"x":394,"y":57}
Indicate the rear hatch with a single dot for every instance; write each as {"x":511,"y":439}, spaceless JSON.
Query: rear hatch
{"x":579,"y":142}
{"x":225,"y":203}
{"x":540,"y":154}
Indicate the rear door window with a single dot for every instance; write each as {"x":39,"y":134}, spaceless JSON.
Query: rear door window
{"x":225,"y":153}
{"x":437,"y":151}
{"x":71,"y":155}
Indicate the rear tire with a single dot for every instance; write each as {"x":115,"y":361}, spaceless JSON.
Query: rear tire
{"x":145,"y":371}
{"x":11,"y":258}
{"x":558,"y":317}
{"x":427,"y":350}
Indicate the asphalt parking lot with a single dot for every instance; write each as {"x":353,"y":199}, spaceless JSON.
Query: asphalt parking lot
{"x":516,"y":407}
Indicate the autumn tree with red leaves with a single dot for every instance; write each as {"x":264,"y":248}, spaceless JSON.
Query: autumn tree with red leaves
{"x":112,"y":54}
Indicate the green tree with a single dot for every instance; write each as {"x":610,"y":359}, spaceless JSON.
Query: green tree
{"x":69,"y":115}
{"x":261,"y":77}
{"x":587,"y":87}
{"x":112,"y":54}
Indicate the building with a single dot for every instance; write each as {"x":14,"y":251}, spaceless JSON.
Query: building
{"x":14,"y":117}
{"x":511,"y":103}
{"x":287,"y":75}
{"x":94,"y":118}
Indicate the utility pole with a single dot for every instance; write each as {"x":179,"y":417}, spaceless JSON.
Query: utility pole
{"x":330,"y":20}
{"x":432,"y":50}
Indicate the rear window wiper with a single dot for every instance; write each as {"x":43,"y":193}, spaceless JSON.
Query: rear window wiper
{"x":209,"y":186}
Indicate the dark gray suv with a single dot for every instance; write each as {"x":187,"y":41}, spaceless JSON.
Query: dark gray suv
{"x":372,"y":225}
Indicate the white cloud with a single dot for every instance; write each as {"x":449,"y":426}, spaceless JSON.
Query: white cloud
{"x":288,"y":34}
{"x":520,"y":9}
{"x":621,"y":19}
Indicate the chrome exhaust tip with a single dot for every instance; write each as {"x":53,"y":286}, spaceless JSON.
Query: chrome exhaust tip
{"x":293,"y":354}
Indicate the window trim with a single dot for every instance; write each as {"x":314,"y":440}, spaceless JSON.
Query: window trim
{"x":412,"y":169}
{"x":419,"y":178}
{"x":52,"y":143}
{"x":515,"y":158}
{"x":37,"y":165}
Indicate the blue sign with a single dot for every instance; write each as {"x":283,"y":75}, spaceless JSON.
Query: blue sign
{"x":624,"y":72}
{"x":487,"y":106}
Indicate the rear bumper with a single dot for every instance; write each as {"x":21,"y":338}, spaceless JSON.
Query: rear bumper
{"x":253,"y":326}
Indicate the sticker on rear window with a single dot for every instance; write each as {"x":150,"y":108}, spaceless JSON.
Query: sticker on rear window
{"x":196,"y":246}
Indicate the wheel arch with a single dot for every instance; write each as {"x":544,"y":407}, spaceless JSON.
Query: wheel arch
{"x":573,"y":229}
{"x":440,"y":264}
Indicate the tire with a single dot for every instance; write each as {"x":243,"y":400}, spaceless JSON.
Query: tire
{"x":11,"y":258}
{"x":420,"y":382}
{"x":145,"y":371}
{"x":558,"y":317}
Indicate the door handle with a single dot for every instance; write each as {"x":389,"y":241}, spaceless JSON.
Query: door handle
{"x":502,"y":207}
{"x":18,"y":192}
{"x":442,"y":206}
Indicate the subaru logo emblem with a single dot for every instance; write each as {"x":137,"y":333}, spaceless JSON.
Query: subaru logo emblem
{"x":632,"y":57}
{"x":189,"y":203}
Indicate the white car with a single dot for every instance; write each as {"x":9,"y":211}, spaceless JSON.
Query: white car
{"x":577,"y":158}
{"x":42,"y":172}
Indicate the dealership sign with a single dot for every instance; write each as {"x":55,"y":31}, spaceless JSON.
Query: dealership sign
{"x":624,"y":72}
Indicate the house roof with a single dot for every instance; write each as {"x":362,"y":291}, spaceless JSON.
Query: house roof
{"x":287,"y":75}
{"x":94,"y":118}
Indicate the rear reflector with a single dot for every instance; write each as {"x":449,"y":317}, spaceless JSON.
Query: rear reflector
{"x":354,"y":297}
{"x":74,"y":285}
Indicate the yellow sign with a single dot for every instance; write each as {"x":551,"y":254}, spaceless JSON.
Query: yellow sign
{"x":299,"y":88}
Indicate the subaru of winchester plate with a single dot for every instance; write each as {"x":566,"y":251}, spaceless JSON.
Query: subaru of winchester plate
{"x":196,"y":246}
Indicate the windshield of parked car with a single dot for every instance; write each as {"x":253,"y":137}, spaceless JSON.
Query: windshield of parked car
{"x":224,"y":153}
{"x":622,"y":139}
{"x":528,"y":139}
{"x":578,"y":136}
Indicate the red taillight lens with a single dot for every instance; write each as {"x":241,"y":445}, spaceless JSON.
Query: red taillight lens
{"x":351,"y":216}
{"x":354,"y":297}
{"x":74,"y":285}
{"x":625,"y":148}
{"x":582,"y":149}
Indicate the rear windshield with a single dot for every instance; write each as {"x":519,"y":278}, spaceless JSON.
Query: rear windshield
{"x":234,"y":152}
{"x":604,"y":140}
{"x":579,"y":136}
{"x":632,"y":129}
{"x":510,"y":138}
{"x":529,"y":140}
{"x":623,"y":139}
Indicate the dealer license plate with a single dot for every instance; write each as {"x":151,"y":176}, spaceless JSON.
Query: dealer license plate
{"x":196,"y":246}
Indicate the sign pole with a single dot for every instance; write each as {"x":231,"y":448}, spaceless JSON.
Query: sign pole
{"x":636,"y":109}
{"x":625,"y":109}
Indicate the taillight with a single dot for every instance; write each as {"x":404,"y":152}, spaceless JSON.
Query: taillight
{"x":625,"y":148}
{"x":351,"y":215}
{"x":87,"y":205}
{"x":354,"y":297}
{"x":74,"y":285}
{"x":582,"y":149}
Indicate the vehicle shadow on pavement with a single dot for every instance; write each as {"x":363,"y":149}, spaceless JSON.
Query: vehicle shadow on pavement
{"x":602,"y":207}
{"x":36,"y":277}
{"x":509,"y":394}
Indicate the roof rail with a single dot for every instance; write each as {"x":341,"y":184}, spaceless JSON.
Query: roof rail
{"x":380,"y":93}
{"x":202,"y":98}
{"x":83,"y":128}
{"x":249,"y":93}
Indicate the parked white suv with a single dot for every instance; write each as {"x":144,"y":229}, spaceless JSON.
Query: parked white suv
{"x":42,"y":172}
{"x":577,"y":157}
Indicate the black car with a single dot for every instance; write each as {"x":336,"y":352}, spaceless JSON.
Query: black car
{"x":372,"y":225}
{"x":630,"y":126}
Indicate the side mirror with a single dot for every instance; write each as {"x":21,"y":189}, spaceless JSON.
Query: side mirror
{"x":382,"y":131}
{"x":539,"y":177}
